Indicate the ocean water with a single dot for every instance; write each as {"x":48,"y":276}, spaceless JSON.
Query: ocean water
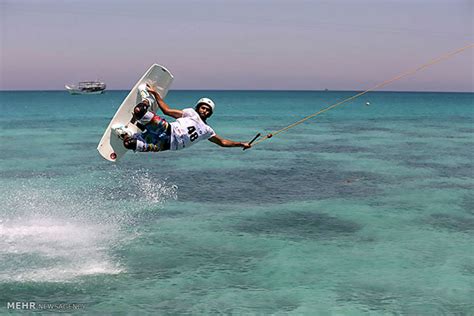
{"x":363,"y":209}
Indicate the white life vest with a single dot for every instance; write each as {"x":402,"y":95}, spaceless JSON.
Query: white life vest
{"x":188,"y":130}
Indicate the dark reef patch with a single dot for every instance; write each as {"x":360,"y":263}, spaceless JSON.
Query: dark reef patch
{"x":300,"y":181}
{"x":297,"y":225}
{"x":451,"y":222}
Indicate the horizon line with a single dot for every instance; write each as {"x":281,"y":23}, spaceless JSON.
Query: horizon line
{"x":252,"y":90}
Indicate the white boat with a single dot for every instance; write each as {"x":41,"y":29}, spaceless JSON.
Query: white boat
{"x":86,"y":87}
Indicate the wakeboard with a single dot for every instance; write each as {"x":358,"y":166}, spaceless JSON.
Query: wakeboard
{"x":111,"y":146}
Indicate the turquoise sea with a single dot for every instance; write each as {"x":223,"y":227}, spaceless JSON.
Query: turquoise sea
{"x":365,"y":209}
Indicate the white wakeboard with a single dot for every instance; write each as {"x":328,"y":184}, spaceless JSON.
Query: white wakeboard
{"x":111,"y":146}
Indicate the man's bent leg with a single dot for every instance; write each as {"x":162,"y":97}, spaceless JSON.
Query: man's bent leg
{"x":142,"y":146}
{"x":149,"y":120}
{"x":135,"y":144}
{"x":147,"y":142}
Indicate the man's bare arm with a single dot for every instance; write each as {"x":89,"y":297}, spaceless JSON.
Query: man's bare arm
{"x":165,"y":108}
{"x":227,"y":142}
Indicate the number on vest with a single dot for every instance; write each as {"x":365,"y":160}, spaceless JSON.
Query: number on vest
{"x":193,"y":135}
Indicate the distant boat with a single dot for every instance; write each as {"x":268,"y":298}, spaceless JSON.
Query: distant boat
{"x":86,"y":87}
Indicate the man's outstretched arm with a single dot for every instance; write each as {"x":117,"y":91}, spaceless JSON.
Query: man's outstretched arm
{"x":165,"y":108}
{"x":227,"y":142}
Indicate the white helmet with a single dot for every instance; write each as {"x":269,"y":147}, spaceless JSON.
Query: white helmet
{"x":207,"y":101}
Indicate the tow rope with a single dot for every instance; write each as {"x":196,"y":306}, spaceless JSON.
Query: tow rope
{"x":380,"y":85}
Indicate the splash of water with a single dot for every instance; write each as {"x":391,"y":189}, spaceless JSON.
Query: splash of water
{"x":54,"y":249}
{"x":52,"y":232}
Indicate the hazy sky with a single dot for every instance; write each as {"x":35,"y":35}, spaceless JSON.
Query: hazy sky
{"x":244,"y":44}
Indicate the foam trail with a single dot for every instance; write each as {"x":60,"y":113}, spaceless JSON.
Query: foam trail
{"x":57,"y":235}
{"x":53,"y":249}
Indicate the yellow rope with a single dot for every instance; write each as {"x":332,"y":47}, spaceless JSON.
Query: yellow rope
{"x":380,"y":85}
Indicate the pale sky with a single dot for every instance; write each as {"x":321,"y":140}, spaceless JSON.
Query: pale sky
{"x":230,"y":44}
